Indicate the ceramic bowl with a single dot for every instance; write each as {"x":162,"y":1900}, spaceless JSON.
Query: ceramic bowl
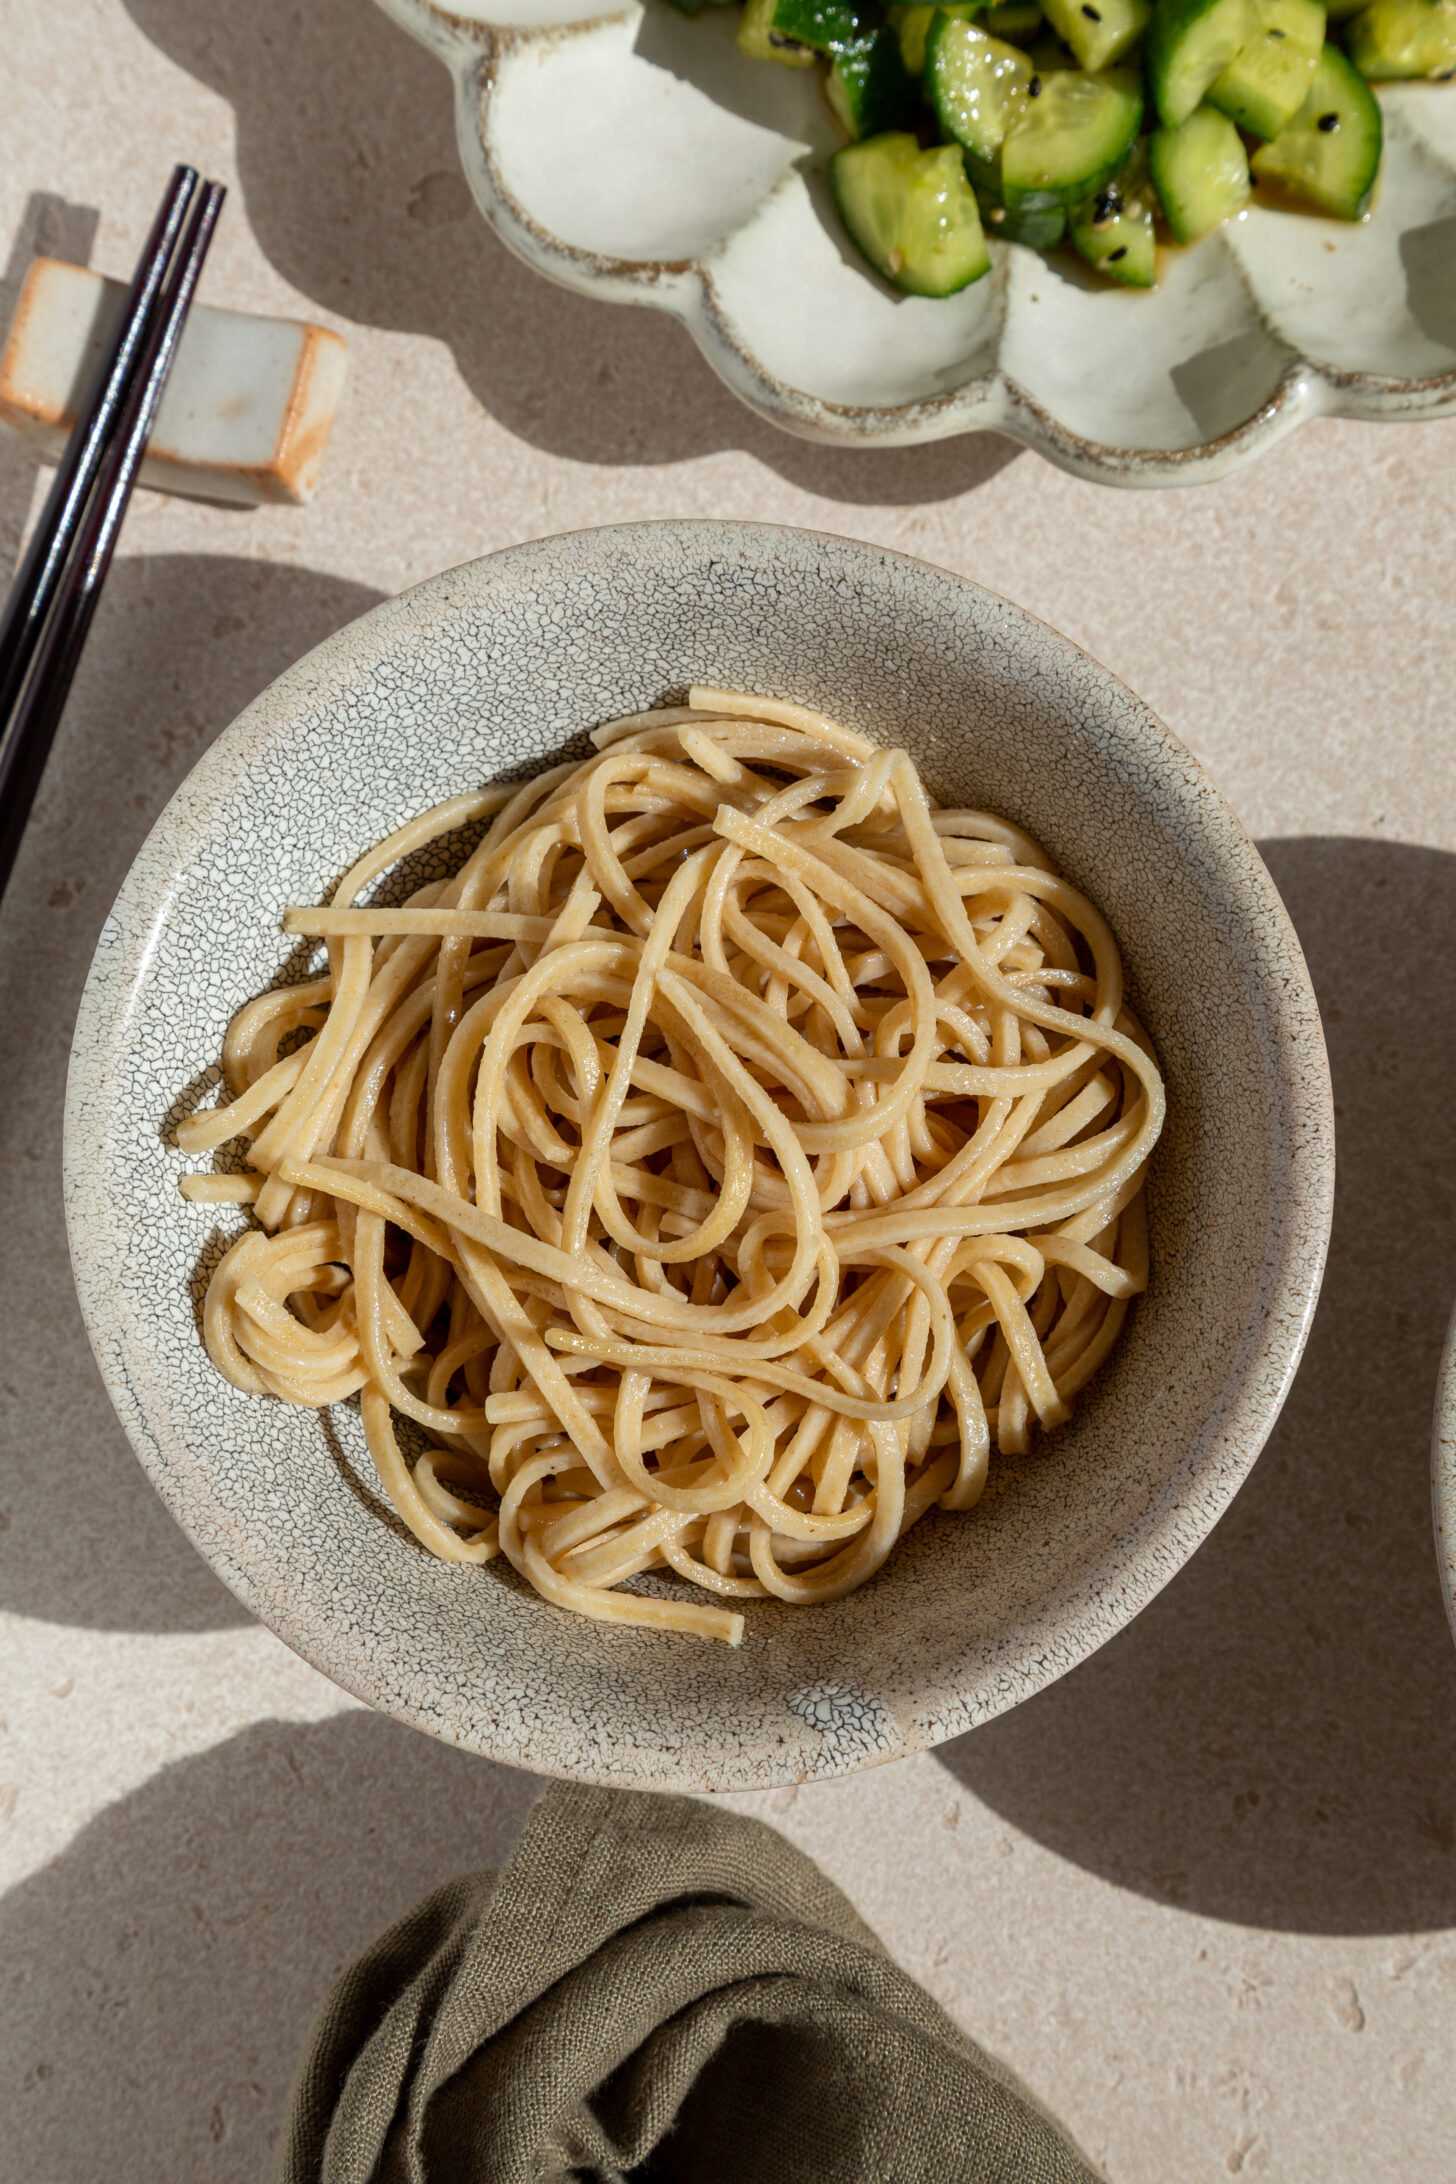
{"x":495,"y":666}
{"x":636,"y":155}
{"x":1443,"y":1475}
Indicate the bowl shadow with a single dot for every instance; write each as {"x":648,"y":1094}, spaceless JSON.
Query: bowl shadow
{"x":202,"y":635}
{"x":1273,"y":1740}
{"x":347,"y":162}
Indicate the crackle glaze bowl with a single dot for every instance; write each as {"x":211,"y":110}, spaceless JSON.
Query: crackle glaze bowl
{"x":497,"y":666}
{"x":638,"y":156}
{"x":1443,"y":1475}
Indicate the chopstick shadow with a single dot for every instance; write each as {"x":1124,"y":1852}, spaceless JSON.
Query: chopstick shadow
{"x":202,"y":635}
{"x":347,"y":163}
{"x":163,"y":1971}
{"x":1273,"y":1741}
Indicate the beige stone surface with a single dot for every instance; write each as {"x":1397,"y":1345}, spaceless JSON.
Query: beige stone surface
{"x":1202,"y":1893}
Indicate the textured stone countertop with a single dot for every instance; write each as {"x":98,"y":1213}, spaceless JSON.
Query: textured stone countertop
{"x":1202,"y":1892}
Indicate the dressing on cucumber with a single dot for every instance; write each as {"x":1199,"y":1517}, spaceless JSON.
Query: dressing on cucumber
{"x":761,"y":39}
{"x":913,"y":24}
{"x":1189,"y":43}
{"x":1113,"y":228}
{"x":1329,"y":155}
{"x":912,"y":213}
{"x":978,"y":87}
{"x":1071,"y":139}
{"x":870,"y":88}
{"x":1039,"y":109}
{"x":1099,"y":32}
{"x":1395,"y":39}
{"x":1266,"y":83}
{"x":1200,"y":171}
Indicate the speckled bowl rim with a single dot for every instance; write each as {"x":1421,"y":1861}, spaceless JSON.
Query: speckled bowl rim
{"x":1078,"y":1615}
{"x":993,"y":401}
{"x":1443,"y":1474}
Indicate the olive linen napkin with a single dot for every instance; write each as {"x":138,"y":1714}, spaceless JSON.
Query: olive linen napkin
{"x":651,"y":1989}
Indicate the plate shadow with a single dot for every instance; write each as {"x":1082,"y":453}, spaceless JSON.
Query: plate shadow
{"x":347,"y":161}
{"x":1273,"y":1740}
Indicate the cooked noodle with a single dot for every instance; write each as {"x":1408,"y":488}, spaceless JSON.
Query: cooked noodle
{"x":711,"y":1171}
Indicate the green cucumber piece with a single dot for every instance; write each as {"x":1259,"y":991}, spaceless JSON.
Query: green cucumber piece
{"x":1074,"y":135}
{"x":1113,"y":228}
{"x":913,"y":24}
{"x":912,"y":214}
{"x":1099,"y":32}
{"x":761,"y":41}
{"x":1200,"y":171}
{"x":978,"y":86}
{"x":1189,"y":43}
{"x":1264,"y":86}
{"x":1040,"y":229}
{"x":870,"y":89}
{"x":826,"y":25}
{"x":1398,"y":39}
{"x":1049,"y":56}
{"x":1017,"y":20}
{"x":1329,"y":155}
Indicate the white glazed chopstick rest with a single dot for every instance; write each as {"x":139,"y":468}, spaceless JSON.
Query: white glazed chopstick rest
{"x":248,"y":408}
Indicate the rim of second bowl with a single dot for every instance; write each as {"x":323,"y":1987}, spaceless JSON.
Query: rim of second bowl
{"x":1073,"y":1621}
{"x":1443,"y":1474}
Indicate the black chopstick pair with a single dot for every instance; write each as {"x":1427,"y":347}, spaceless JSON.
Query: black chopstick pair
{"x":53,"y":599}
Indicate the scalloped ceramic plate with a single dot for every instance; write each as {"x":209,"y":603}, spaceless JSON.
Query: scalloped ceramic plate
{"x":636,"y":155}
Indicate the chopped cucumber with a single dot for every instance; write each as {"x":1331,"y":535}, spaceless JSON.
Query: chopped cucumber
{"x":762,"y":41}
{"x":1073,"y":137}
{"x":826,"y":25}
{"x":1265,"y":85}
{"x":1039,"y":230}
{"x":913,"y":25}
{"x":1189,"y":43}
{"x":1330,"y":153}
{"x":1113,"y":228}
{"x":978,"y":86}
{"x":1049,"y":56}
{"x":1200,"y":171}
{"x":1017,"y":20}
{"x":1402,"y":38}
{"x":869,"y":88}
{"x":912,"y":213}
{"x":1099,"y":32}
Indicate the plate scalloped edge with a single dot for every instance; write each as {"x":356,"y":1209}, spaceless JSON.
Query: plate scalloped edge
{"x":474,"y":50}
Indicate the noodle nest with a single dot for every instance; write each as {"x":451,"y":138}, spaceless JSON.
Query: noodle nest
{"x":712,"y":1172}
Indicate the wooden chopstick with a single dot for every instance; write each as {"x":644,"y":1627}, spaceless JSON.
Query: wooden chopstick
{"x":56,"y":593}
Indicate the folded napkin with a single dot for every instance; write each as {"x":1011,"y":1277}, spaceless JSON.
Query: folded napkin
{"x":652,"y":1989}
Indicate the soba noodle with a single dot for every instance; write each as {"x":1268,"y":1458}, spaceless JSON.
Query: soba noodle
{"x":712,"y":1171}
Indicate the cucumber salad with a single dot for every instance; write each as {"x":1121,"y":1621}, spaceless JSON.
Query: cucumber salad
{"x":1093,"y":123}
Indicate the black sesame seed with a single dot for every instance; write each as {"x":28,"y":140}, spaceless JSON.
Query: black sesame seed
{"x":1273,"y":32}
{"x":1091,"y":14}
{"x":1328,"y":122}
{"x":1107,"y":206}
{"x":1114,"y":255}
{"x":1033,"y":89}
